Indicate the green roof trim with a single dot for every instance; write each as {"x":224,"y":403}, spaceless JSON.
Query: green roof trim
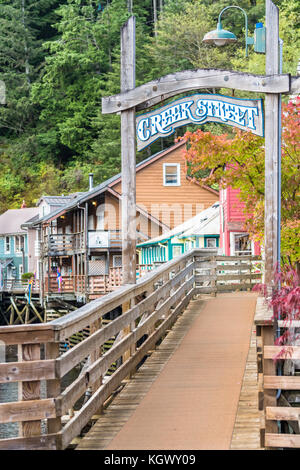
{"x":154,"y":243}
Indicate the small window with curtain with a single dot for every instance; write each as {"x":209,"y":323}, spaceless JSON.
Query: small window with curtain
{"x":117,"y":261}
{"x":211,"y":242}
{"x":7,"y":245}
{"x":19,"y":243}
{"x":171,"y":174}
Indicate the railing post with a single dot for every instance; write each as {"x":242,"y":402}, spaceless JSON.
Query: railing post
{"x":213,"y":273}
{"x":269,"y":369}
{"x":29,"y":390}
{"x":125,"y":307}
{"x":96,"y":354}
{"x":53,"y":387}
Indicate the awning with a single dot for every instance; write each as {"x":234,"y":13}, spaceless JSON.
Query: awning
{"x":5,"y":262}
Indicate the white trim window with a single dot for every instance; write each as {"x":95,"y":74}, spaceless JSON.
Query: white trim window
{"x":19,"y":243}
{"x":171,"y":174}
{"x":7,"y":244}
{"x":211,"y":242}
{"x":21,"y":271}
{"x":100,"y":217}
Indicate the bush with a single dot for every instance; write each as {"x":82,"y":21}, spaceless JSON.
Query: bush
{"x":27,"y":276}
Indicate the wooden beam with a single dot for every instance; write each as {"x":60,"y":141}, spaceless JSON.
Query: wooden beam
{"x":30,"y":410}
{"x":27,"y":371}
{"x":46,"y":442}
{"x":271,"y":143}
{"x":282,"y":440}
{"x":274,"y":382}
{"x":282,"y":413}
{"x":128,"y":156}
{"x":282,"y":352}
{"x":53,"y":388}
{"x":151,"y":93}
{"x":29,"y":390}
{"x":269,"y":369}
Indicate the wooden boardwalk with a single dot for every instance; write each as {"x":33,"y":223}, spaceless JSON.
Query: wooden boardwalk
{"x":197,"y":390}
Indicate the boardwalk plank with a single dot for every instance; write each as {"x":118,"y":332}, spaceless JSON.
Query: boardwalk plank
{"x":243,"y":421}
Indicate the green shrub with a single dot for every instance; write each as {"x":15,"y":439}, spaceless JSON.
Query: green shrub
{"x":27,"y":276}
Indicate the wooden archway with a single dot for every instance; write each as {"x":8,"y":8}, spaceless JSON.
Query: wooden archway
{"x":132,"y":99}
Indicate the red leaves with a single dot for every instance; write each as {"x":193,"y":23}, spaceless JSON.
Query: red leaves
{"x":239,"y":162}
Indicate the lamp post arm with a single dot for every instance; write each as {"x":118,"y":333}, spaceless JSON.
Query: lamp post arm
{"x":246,"y":22}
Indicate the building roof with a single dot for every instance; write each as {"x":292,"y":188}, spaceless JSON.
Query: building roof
{"x":12,"y":219}
{"x":204,"y":223}
{"x":80,"y":198}
{"x":58,"y":200}
{"x":208,"y":223}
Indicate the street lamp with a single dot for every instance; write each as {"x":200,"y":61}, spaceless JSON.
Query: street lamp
{"x":273,"y":53}
{"x":220,"y":36}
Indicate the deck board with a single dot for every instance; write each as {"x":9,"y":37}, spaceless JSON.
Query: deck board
{"x":233,"y":402}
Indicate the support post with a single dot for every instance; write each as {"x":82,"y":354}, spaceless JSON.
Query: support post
{"x":86,"y":287}
{"x":128,"y":153}
{"x":271,"y":144}
{"x":29,"y":390}
{"x":53,"y":387}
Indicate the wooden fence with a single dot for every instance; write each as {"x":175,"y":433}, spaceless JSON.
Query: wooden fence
{"x":227,"y":273}
{"x":149,"y":309}
{"x":276,"y":381}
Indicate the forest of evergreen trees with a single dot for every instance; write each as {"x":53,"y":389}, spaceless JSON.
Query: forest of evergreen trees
{"x":59,"y":57}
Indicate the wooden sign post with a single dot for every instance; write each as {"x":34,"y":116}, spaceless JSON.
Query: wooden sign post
{"x":271,"y":144}
{"x":128,"y":154}
{"x":132,"y":98}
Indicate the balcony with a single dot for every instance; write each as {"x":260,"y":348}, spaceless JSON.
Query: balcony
{"x":105,"y":239}
{"x":58,"y":244}
{"x":95,"y":285}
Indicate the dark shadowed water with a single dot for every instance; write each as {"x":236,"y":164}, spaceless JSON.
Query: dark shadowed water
{"x":8,"y":393}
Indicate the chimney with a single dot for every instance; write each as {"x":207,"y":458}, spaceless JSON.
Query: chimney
{"x":91,"y":181}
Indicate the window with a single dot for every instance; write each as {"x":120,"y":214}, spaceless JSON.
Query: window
{"x":211,"y":242}
{"x":100,"y":217}
{"x":7,"y":244}
{"x":177,"y":251}
{"x":171,"y":174}
{"x":242,"y":244}
{"x":19,"y":243}
{"x":117,"y":261}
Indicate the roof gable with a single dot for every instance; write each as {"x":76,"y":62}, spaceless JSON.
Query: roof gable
{"x":12,"y":219}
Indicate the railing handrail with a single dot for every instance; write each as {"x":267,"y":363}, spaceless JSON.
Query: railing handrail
{"x":166,"y":291}
{"x":106,"y":303}
{"x":63,"y":234}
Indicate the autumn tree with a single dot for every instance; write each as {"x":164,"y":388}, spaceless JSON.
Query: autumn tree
{"x":238,"y":162}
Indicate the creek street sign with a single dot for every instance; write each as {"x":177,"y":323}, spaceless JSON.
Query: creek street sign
{"x":245,"y":114}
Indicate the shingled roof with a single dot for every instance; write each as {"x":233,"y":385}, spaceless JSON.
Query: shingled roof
{"x":12,"y":219}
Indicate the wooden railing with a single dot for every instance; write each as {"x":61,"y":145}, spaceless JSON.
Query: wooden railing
{"x":280,"y":423}
{"x":227,"y":273}
{"x":149,"y":308}
{"x":62,"y":243}
{"x":9,"y":285}
{"x":97,"y":284}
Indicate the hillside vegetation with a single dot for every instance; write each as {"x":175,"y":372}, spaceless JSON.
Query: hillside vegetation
{"x":58,"y":58}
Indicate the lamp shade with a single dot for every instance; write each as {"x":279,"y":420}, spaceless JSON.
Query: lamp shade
{"x":219,"y":36}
